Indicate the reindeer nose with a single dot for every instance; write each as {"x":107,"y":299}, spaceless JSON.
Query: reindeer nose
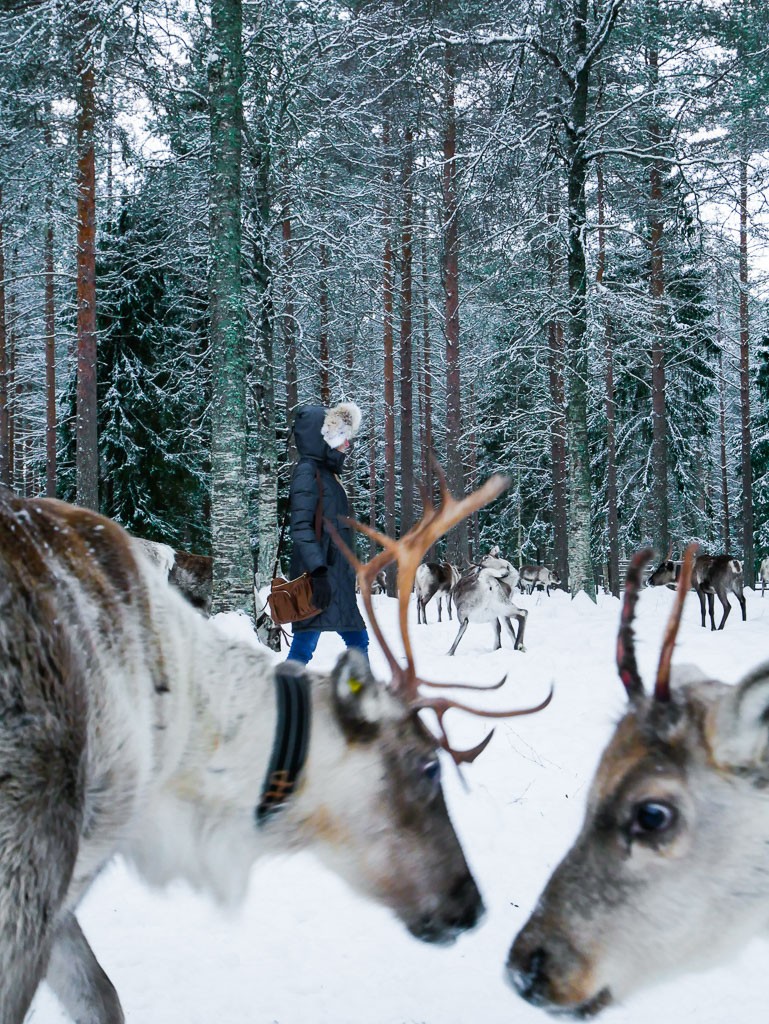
{"x":467,"y":903}
{"x":552,"y":974}
{"x":527,"y":974}
{"x":462,"y":909}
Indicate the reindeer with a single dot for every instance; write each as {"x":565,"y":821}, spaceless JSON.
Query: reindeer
{"x":131,"y":724}
{"x":484,"y":594}
{"x":713,"y":575}
{"x":537,"y":576}
{"x":763,"y":573}
{"x":191,"y":574}
{"x":434,"y":578}
{"x":671,"y":868}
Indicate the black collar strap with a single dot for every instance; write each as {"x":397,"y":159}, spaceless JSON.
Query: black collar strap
{"x":292,"y":738}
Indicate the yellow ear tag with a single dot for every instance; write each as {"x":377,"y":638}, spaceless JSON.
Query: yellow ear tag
{"x":355,"y":684}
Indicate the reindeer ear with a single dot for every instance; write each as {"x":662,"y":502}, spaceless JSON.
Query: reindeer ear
{"x":740,"y":730}
{"x":358,"y":697}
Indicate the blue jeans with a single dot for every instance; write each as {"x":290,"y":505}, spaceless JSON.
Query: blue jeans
{"x":304,"y":643}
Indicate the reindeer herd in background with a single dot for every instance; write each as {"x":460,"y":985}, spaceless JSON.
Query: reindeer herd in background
{"x":483,"y":593}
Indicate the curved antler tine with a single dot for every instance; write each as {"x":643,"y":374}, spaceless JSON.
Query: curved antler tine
{"x":463,"y":686}
{"x":440,"y":705}
{"x":388,"y":543}
{"x":465,"y":756}
{"x":626,"y":661}
{"x":662,"y":684}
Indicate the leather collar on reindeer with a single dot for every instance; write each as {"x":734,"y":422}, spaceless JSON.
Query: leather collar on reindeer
{"x":292,"y":738}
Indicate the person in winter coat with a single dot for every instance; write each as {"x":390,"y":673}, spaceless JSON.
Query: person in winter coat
{"x":322,"y":438}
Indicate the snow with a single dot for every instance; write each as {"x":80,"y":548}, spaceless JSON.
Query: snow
{"x":305,"y":950}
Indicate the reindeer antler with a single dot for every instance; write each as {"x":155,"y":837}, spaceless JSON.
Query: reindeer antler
{"x":662,"y":684}
{"x":626,"y":660}
{"x":408,"y":552}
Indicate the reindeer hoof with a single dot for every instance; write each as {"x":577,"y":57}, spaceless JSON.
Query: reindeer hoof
{"x":521,"y":648}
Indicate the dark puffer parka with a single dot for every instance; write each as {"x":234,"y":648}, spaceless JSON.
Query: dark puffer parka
{"x":314,"y":454}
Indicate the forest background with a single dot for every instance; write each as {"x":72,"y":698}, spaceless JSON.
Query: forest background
{"x":529,"y":236}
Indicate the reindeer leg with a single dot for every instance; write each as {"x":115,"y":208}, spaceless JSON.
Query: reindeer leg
{"x":77,"y":978}
{"x":498,"y":634}
{"x":711,"y":603}
{"x":701,"y":596}
{"x":724,"y":599}
{"x":460,"y":634}
{"x":38,"y":847}
{"x":510,"y":629}
{"x":448,"y":604}
{"x":521,"y":616}
{"x":741,"y":598}
{"x":440,"y":607}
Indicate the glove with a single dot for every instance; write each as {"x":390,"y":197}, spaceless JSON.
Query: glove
{"x":321,"y":588}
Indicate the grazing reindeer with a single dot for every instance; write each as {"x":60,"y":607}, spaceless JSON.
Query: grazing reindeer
{"x":131,"y":724}
{"x":671,"y":868}
{"x":713,"y":576}
{"x":434,"y":578}
{"x":537,"y":576}
{"x":763,"y":574}
{"x":191,"y":574}
{"x":378,"y":584}
{"x":484,"y":594}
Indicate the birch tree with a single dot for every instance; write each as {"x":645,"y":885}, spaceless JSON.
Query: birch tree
{"x":233,"y":575}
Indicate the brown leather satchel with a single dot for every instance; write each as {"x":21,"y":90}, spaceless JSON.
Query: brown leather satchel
{"x":291,"y":600}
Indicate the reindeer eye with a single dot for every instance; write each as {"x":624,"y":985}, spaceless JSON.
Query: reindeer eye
{"x":432,"y":770}
{"x":652,"y":818}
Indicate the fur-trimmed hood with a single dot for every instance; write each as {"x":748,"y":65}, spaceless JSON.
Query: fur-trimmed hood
{"x":341,"y":424}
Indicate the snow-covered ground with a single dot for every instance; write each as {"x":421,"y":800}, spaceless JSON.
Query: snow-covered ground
{"x":305,"y":950}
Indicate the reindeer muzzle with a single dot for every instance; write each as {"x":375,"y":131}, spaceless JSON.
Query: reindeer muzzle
{"x":461,"y":910}
{"x":538,"y":975}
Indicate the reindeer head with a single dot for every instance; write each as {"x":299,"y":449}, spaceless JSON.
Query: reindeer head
{"x":670,"y":867}
{"x":663,"y":575}
{"x":386,"y":828}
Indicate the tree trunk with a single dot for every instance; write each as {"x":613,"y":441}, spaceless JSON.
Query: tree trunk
{"x":50,"y":332}
{"x":5,"y":456}
{"x":265,"y":450}
{"x":612,"y":517}
{"x":289,"y":316}
{"x":659,"y":461}
{"x":580,"y":496}
{"x":87,"y":456}
{"x":745,"y":439}
{"x":557,"y":417}
{"x":456,"y":542}
{"x":406,"y":339}
{"x":233,"y":574}
{"x":15,"y":403}
{"x":389,"y":356}
{"x":372,"y":482}
{"x":426,"y":388}
{"x":725,"y":525}
{"x":324,"y":356}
